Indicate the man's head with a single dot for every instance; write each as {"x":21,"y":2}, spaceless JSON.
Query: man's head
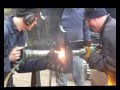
{"x":29,"y":16}
{"x":95,"y":18}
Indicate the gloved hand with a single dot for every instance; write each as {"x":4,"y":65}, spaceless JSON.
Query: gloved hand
{"x":89,"y":51}
{"x":87,"y":48}
{"x":86,"y":44}
{"x":98,"y":48}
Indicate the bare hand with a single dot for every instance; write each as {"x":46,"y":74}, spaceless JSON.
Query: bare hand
{"x":15,"y":54}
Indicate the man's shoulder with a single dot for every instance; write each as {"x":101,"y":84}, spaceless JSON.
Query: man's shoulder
{"x":111,"y":22}
{"x":7,"y":21}
{"x":7,"y":25}
{"x":7,"y":18}
{"x":110,"y":25}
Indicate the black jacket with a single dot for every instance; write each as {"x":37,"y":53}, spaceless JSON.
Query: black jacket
{"x":106,"y":60}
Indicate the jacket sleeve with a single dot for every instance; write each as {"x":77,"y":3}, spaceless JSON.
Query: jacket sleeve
{"x":86,"y":32}
{"x":96,"y":61}
{"x":86,"y":35}
{"x":7,"y":66}
{"x":103,"y":61}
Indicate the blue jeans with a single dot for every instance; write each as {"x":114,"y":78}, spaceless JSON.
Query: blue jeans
{"x":78,"y":73}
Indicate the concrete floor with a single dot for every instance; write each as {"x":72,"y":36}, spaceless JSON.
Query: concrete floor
{"x":24,"y":80}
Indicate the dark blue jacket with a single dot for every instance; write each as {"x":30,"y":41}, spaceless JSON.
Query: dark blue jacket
{"x":73,"y":21}
{"x":13,"y":38}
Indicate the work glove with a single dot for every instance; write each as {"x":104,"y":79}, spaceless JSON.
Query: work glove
{"x":98,"y":48}
{"x":89,"y":51}
{"x":86,"y":44}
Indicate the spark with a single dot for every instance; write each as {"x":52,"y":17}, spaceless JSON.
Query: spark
{"x":61,"y":55}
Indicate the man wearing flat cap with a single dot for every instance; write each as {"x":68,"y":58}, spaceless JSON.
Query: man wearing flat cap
{"x":99,"y":21}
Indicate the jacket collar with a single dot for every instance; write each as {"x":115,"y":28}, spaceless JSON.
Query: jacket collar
{"x":12,"y":27}
{"x":104,"y":24}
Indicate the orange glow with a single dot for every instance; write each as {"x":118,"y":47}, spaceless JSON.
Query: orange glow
{"x":111,"y":81}
{"x":61,"y":55}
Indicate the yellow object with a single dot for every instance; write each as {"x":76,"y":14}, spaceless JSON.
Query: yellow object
{"x":7,"y":77}
{"x":88,"y":52}
{"x":111,"y":80}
